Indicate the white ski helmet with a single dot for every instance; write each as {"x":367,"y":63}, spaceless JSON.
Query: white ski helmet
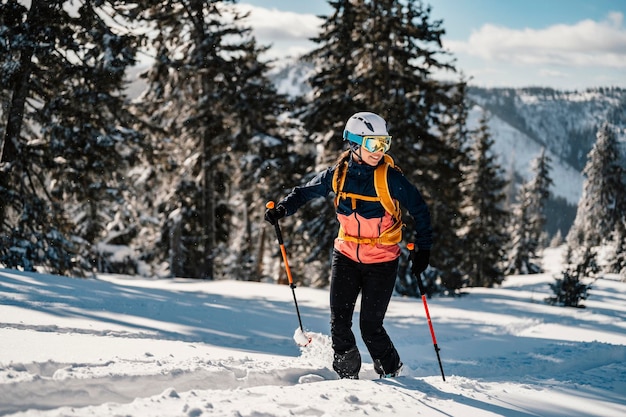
{"x":367,"y":129}
{"x":366,"y":123}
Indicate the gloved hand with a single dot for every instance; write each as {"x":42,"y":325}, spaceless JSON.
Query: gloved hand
{"x":420,"y":261}
{"x":273,"y":215}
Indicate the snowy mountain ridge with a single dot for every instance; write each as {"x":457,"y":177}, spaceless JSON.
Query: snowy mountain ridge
{"x":565,"y":122}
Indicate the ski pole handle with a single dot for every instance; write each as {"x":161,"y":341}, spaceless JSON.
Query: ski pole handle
{"x":279,"y":236}
{"x":420,"y":284}
{"x":271,"y":206}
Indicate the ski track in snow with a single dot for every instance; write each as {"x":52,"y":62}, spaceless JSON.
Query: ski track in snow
{"x":122,"y":346}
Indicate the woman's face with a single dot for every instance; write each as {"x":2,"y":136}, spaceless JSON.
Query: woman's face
{"x":371,"y":158}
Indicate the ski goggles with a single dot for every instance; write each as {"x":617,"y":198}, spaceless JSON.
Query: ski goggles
{"x":372,"y":143}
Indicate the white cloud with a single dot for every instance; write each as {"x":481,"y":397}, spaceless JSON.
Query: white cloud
{"x":586,"y":43}
{"x":550,"y":73}
{"x":586,"y":54}
{"x":275,"y":25}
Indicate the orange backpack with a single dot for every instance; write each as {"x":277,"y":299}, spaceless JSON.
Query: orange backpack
{"x":390,"y":236}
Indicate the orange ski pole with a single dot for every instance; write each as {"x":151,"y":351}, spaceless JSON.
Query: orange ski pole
{"x":270,"y":205}
{"x":420,"y":284}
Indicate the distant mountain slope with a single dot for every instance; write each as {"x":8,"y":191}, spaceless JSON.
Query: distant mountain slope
{"x":565,"y":122}
{"x":515,"y":150}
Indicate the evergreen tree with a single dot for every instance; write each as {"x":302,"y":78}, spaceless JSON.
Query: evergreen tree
{"x":529,"y":219}
{"x":208,"y":94}
{"x":445,"y":208}
{"x":520,"y":252}
{"x":379,"y":56}
{"x":332,"y":83}
{"x":601,"y":212}
{"x":66,"y":141}
{"x":485,"y":233}
{"x":617,"y":263}
{"x":323,"y":120}
{"x":603,"y":203}
{"x":557,"y":239}
{"x":261,"y":162}
{"x":570,"y":289}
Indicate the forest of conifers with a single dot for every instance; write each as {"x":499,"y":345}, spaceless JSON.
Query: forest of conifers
{"x":174,"y":182}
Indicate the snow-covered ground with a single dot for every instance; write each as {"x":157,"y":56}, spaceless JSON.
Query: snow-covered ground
{"x":127,"y":346}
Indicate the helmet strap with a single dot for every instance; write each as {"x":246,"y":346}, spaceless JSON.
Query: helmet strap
{"x":355,"y":148}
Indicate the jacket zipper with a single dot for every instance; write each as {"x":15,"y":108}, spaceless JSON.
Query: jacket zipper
{"x":358,"y":245}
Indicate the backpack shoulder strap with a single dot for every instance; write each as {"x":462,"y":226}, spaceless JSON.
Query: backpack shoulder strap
{"x":389,"y":160}
{"x":339,"y":179}
{"x":382,"y":186}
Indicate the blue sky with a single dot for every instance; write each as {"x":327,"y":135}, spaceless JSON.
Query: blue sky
{"x":565,"y":44}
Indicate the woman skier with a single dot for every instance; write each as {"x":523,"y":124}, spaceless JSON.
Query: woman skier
{"x":367,"y":190}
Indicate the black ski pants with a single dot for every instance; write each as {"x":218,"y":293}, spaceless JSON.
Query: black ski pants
{"x":375,"y":282}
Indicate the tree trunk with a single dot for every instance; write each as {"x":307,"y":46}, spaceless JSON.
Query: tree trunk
{"x":9,"y":146}
{"x":208,"y":212}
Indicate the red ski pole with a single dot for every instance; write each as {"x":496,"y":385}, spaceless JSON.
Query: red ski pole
{"x":411,"y":248}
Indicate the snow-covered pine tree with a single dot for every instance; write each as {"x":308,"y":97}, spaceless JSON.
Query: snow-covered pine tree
{"x":379,"y":56}
{"x":617,"y":260}
{"x":528,"y":219}
{"x":446,"y":206}
{"x":519,"y":251}
{"x":332,"y":83}
{"x":68,"y":138}
{"x":323,"y":119}
{"x":262,"y":160}
{"x":207,"y":93}
{"x":557,"y":239}
{"x":603,"y":203}
{"x":570,"y":289}
{"x":484,"y":234}
{"x":600,"y":212}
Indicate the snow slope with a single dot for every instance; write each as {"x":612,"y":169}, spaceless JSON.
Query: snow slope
{"x":125,"y":346}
